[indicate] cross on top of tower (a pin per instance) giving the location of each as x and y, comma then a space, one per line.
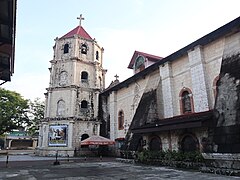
116, 76
80, 19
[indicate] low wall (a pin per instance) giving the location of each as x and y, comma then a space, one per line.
53, 152
222, 163
217, 163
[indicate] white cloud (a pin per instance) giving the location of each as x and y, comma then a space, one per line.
120, 44
119, 47
30, 86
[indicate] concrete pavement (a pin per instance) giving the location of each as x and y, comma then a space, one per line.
29, 167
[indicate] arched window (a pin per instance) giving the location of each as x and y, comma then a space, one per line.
155, 144
84, 76
84, 104
139, 63
97, 55
120, 120
189, 143
60, 108
186, 101
84, 49
84, 136
66, 48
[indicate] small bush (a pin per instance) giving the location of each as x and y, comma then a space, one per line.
146, 156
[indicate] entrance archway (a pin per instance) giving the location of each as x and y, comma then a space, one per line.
155, 144
84, 136
189, 143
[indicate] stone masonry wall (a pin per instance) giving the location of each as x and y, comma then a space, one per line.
227, 130
226, 137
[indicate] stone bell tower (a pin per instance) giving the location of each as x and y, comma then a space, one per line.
76, 79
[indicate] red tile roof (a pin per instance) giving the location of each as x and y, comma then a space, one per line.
149, 56
78, 30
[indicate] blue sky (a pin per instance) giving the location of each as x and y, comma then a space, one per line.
158, 27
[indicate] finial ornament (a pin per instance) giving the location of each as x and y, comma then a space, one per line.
80, 19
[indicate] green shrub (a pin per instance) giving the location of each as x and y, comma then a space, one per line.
147, 155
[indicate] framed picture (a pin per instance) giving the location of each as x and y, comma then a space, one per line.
57, 135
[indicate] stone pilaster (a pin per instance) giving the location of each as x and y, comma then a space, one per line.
167, 90
113, 115
199, 87
72, 102
40, 136
70, 134
76, 47
74, 73
48, 103
45, 131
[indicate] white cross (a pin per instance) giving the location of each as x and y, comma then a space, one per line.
80, 19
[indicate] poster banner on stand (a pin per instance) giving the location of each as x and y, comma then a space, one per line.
57, 135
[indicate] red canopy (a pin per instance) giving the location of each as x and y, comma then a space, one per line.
97, 140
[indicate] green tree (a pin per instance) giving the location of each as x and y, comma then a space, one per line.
13, 111
36, 114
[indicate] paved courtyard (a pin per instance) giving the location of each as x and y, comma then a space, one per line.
31, 168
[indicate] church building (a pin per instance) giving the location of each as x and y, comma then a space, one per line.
76, 79
170, 103
187, 101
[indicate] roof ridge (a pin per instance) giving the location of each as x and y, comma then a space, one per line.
140, 52
77, 30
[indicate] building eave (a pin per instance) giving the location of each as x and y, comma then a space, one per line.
194, 120
7, 41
